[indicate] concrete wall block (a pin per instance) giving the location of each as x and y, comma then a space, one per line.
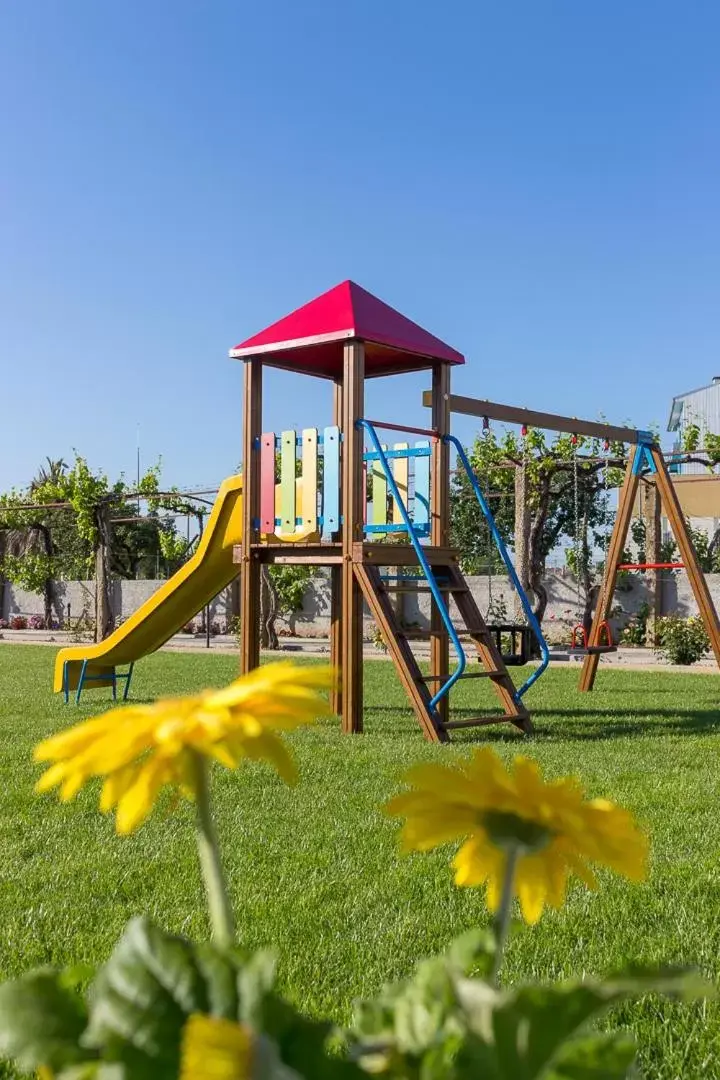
564, 605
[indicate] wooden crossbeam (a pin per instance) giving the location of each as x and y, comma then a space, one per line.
512, 414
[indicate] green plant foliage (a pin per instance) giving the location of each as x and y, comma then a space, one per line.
290, 584
636, 630
51, 541
29, 571
551, 469
691, 437
446, 1022
442, 1023
42, 1019
682, 641
130, 1024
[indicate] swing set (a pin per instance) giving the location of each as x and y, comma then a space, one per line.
644, 460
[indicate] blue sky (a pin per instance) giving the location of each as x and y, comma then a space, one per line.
537, 183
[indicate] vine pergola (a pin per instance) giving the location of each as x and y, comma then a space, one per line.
95, 520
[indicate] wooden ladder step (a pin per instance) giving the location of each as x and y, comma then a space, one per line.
481, 721
413, 589
417, 633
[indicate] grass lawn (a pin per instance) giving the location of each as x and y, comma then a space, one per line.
315, 870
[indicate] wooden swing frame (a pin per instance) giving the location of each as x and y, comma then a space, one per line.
645, 457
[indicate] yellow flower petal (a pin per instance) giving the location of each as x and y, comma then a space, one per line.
137, 749
139, 798
472, 800
216, 1049
532, 886
115, 786
51, 777
268, 747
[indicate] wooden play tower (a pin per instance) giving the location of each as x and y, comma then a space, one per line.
305, 501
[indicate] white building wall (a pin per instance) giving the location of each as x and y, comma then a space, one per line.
701, 407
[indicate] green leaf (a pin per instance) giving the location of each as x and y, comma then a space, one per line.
41, 1021
95, 1070
597, 1057
142, 998
255, 980
219, 969
303, 1043
473, 953
529, 1025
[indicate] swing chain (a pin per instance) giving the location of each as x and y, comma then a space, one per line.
576, 509
606, 522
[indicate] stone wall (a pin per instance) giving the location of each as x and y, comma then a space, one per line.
314, 619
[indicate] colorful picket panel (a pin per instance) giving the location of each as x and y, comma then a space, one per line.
309, 461
379, 493
331, 482
287, 482
267, 482
293, 506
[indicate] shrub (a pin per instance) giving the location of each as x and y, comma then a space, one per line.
4, 624
36, 622
215, 627
18, 622
189, 628
635, 633
682, 641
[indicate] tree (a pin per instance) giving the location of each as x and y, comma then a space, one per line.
565, 483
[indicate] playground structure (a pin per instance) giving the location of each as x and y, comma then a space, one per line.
345, 336
378, 517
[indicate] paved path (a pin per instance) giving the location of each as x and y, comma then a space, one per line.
224, 644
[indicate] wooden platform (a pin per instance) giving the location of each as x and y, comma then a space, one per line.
377, 554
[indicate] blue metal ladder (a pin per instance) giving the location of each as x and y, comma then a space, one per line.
509, 566
438, 576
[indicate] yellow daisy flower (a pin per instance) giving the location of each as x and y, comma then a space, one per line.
216, 1049
139, 749
551, 827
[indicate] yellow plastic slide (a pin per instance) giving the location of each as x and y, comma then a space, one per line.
195, 584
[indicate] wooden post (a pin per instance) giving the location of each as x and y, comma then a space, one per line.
336, 586
353, 496
618, 539
250, 566
687, 552
440, 516
103, 602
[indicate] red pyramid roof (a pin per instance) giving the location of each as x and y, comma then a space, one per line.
311, 338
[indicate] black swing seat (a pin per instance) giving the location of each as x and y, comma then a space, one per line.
521, 640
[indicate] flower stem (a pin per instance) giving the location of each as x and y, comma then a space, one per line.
221, 916
502, 919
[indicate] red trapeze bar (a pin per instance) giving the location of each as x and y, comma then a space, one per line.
651, 566
404, 427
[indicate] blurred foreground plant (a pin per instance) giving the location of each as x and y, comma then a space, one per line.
163, 1008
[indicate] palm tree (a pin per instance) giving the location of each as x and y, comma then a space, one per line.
50, 474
